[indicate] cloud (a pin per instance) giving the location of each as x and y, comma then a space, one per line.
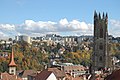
73, 25
115, 27
62, 27
42, 27
64, 22
115, 23
2, 35
7, 27
36, 28
20, 2
7, 30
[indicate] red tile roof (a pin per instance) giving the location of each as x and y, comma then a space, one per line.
6, 76
43, 75
73, 68
25, 73
69, 77
58, 73
114, 76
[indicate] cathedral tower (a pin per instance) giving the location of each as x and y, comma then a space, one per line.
100, 56
12, 65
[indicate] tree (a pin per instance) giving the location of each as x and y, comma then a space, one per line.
10, 39
58, 46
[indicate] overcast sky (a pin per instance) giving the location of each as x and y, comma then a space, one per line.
64, 17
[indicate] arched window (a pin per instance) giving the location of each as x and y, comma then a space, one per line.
100, 59
12, 70
101, 33
101, 46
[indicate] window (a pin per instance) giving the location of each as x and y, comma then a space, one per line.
101, 46
12, 70
65, 70
100, 59
101, 33
73, 70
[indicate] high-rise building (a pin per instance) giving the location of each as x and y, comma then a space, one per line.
100, 57
23, 38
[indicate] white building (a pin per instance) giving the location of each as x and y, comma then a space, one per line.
6, 43
68, 39
82, 38
23, 38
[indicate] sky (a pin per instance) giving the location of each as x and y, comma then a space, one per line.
63, 17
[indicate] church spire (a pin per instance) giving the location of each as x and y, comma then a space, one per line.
106, 18
12, 65
99, 16
12, 62
106, 15
95, 14
103, 15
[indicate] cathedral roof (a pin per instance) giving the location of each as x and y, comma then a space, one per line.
12, 62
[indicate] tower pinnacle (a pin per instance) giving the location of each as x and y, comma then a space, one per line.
99, 16
103, 15
12, 62
95, 14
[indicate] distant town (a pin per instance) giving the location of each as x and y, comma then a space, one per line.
56, 47
55, 39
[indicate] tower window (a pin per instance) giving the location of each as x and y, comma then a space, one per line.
100, 59
101, 33
12, 70
101, 46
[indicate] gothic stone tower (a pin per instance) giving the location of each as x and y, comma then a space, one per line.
100, 56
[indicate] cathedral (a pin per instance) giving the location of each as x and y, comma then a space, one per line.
100, 56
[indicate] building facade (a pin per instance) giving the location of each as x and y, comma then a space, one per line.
100, 56
23, 38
